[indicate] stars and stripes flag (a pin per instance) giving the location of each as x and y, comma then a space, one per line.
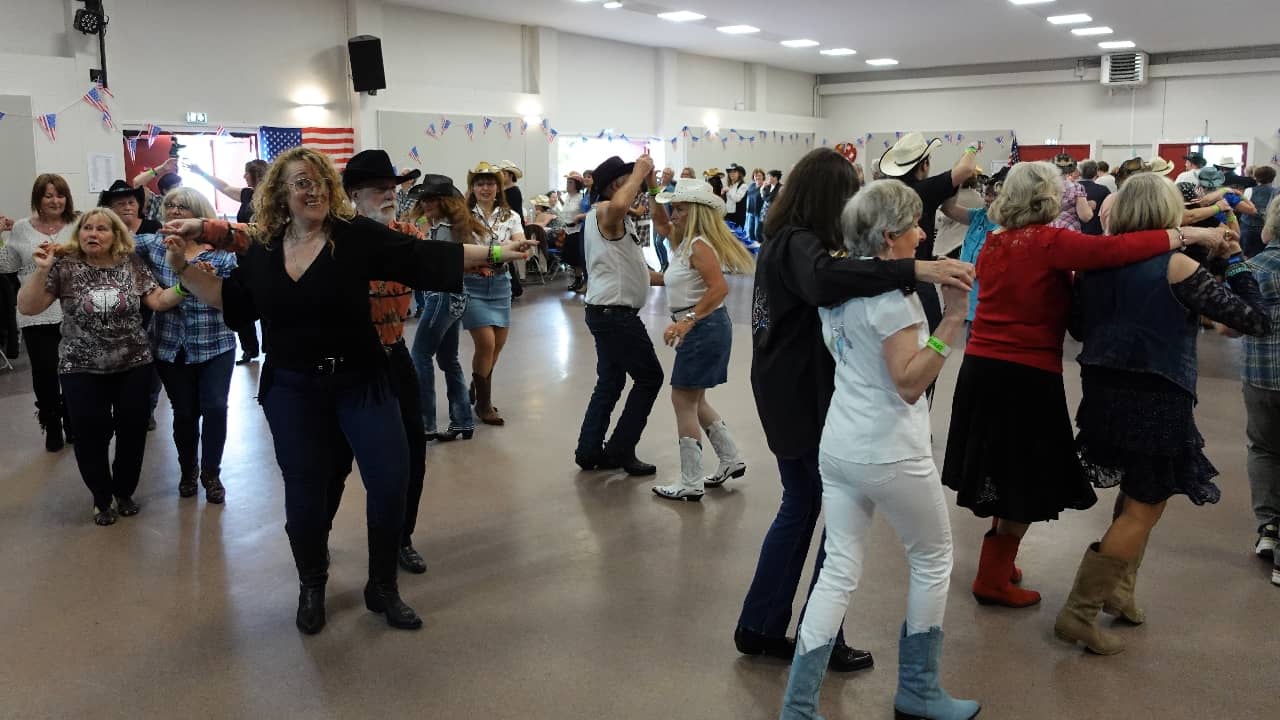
552, 134
506, 128
1, 116
151, 132
487, 122
132, 144
338, 143
524, 126
94, 98
220, 132
104, 90
413, 153
49, 123
445, 124
431, 131
1015, 155
471, 130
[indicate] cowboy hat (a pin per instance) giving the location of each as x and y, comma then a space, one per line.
434, 186
369, 165
120, 189
608, 172
1196, 159
711, 172
688, 190
906, 154
1227, 163
483, 168
1064, 163
512, 168
1160, 166
540, 201
1211, 178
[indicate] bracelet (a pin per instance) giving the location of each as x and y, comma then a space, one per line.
1182, 239
181, 291
1237, 258
495, 254
936, 345
653, 191
155, 172
972, 149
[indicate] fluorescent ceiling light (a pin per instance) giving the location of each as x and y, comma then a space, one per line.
1070, 19
612, 5
800, 43
1116, 44
681, 16
838, 52
882, 61
738, 29
1103, 30
1030, 2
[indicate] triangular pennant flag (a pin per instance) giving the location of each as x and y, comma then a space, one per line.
506, 128
431, 131
94, 98
764, 135
445, 124
413, 153
724, 142
551, 135
471, 130
49, 123
546, 125
601, 135
132, 144
107, 122
673, 140
1, 116
220, 132
485, 127
152, 131
685, 131
524, 126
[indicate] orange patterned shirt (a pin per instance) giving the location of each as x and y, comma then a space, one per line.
389, 300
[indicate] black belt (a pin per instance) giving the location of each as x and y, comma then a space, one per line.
387, 348
615, 309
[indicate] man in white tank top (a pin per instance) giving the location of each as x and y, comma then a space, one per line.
619, 287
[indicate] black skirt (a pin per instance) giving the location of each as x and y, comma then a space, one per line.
1138, 431
1010, 449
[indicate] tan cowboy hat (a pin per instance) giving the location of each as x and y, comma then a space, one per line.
1228, 163
1160, 166
689, 190
906, 154
711, 172
484, 168
540, 201
512, 168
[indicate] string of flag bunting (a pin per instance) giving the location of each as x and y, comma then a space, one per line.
95, 97
436, 130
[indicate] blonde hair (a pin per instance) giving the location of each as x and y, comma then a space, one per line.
197, 203
1146, 202
271, 197
1271, 231
1032, 195
121, 239
708, 224
884, 206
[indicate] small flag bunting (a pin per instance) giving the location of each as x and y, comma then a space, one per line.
485, 127
551, 135
506, 128
431, 131
132, 144
49, 123
445, 124
153, 131
413, 153
524, 126
471, 130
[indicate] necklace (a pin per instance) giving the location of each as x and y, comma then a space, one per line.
50, 228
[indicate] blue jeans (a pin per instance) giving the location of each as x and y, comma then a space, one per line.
767, 608
419, 300
623, 348
660, 249
437, 337
753, 227
198, 393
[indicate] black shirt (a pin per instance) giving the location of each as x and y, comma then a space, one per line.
515, 200
1095, 193
325, 313
149, 227
933, 192
792, 373
245, 213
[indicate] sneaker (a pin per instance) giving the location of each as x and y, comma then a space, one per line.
1275, 577
1268, 540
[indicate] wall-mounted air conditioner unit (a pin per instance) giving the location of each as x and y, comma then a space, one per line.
1125, 69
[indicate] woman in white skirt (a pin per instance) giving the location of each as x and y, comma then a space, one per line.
488, 313
700, 331
876, 454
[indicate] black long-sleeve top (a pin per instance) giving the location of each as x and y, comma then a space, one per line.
325, 313
792, 374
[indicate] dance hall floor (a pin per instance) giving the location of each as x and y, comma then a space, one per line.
554, 593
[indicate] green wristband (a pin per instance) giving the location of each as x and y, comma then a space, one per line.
182, 292
495, 254
936, 345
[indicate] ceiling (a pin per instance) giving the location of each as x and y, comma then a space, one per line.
918, 33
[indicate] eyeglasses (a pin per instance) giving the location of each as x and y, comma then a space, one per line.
176, 206
306, 185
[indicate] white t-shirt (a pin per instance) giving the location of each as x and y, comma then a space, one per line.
869, 422
1191, 176
15, 256
685, 286
617, 273
1107, 181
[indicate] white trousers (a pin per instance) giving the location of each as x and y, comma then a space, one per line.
909, 493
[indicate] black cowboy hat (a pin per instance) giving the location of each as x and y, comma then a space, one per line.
433, 185
606, 173
368, 165
120, 189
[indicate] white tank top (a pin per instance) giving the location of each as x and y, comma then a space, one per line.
617, 273
685, 286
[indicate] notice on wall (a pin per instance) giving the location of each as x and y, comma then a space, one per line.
103, 170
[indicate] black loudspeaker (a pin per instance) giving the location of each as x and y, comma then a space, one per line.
366, 64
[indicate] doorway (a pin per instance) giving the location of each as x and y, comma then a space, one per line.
223, 156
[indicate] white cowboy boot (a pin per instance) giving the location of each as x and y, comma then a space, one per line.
690, 485
731, 463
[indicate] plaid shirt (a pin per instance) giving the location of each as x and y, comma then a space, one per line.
154, 209
1262, 354
404, 203
192, 326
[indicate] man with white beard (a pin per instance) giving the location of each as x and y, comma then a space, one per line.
370, 181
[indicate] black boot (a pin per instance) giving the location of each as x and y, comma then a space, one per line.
311, 556
187, 483
51, 423
213, 490
382, 594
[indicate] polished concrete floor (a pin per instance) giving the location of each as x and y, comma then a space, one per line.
554, 593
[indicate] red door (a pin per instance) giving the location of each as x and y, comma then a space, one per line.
1033, 153
146, 157
1174, 153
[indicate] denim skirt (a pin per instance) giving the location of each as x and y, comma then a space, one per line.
702, 357
488, 301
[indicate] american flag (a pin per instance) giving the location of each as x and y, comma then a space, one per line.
413, 153
338, 143
94, 98
132, 144
151, 132
1015, 155
221, 131
104, 90
49, 123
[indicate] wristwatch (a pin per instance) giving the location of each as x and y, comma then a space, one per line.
691, 316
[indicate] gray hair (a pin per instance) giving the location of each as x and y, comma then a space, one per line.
883, 206
1089, 169
198, 204
1271, 231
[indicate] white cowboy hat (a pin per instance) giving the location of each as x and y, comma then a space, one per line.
1227, 162
689, 190
906, 154
508, 165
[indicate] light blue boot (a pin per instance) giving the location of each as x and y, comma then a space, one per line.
920, 697
801, 699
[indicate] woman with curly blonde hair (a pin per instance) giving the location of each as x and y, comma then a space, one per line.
104, 358
1010, 451
305, 270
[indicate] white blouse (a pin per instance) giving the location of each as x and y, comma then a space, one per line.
503, 224
15, 256
685, 285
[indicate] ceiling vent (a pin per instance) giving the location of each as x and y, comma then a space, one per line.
1125, 69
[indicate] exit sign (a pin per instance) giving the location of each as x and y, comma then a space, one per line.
197, 118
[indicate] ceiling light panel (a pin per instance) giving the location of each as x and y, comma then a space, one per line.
1117, 44
1102, 30
738, 29
682, 16
1075, 19
838, 52
882, 62
804, 43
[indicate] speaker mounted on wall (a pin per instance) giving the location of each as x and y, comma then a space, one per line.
367, 74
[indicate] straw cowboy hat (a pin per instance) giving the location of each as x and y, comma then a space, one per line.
540, 201
483, 168
711, 172
905, 154
688, 190
512, 168
1160, 166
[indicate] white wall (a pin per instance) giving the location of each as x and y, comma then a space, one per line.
789, 92
711, 82
594, 95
